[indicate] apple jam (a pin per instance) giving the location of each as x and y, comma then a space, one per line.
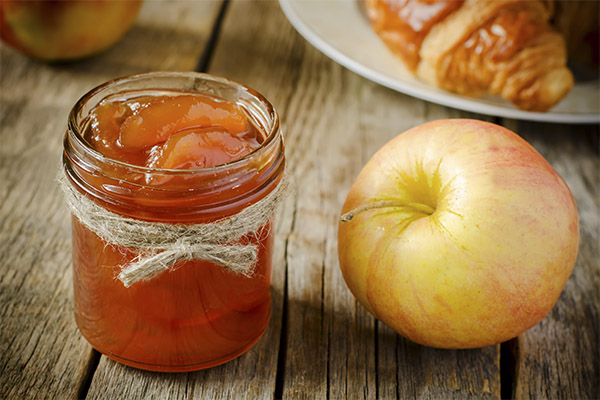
174, 148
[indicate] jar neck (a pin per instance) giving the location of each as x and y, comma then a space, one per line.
175, 196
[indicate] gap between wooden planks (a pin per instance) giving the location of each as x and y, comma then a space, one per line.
43, 354
333, 121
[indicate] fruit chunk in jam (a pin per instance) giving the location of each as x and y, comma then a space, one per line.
172, 132
199, 148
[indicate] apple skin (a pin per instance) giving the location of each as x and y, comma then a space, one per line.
487, 261
60, 30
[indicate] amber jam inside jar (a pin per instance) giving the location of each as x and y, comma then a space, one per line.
196, 314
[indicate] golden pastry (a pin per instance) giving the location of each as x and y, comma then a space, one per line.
502, 47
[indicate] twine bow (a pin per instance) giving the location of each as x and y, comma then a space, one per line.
161, 245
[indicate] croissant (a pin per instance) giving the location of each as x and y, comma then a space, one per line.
501, 47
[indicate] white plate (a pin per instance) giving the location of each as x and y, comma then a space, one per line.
340, 29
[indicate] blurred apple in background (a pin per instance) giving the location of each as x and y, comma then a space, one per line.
57, 30
458, 234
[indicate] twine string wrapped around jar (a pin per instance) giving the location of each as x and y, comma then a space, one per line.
161, 245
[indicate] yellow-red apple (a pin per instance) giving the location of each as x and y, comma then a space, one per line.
458, 234
56, 30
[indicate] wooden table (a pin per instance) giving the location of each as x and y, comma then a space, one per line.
320, 343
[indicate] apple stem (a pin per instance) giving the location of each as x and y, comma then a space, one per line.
347, 217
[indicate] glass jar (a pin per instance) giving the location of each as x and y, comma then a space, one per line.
196, 314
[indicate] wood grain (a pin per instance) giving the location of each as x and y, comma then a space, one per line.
558, 358
334, 121
42, 351
43, 354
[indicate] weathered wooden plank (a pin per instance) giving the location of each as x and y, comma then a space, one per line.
171, 35
558, 358
42, 351
334, 121
251, 375
249, 51
43, 354
288, 71
405, 369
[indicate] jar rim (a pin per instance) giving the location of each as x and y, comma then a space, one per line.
272, 132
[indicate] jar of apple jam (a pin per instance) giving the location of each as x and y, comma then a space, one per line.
176, 149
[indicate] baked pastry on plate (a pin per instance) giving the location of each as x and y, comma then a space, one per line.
502, 47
